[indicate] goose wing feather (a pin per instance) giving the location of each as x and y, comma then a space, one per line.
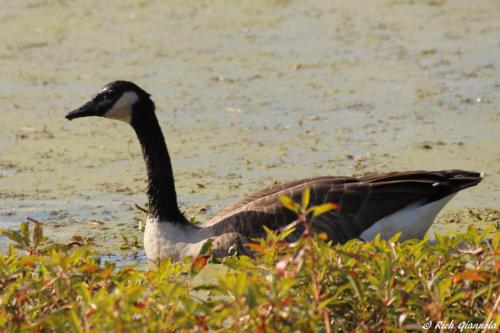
363, 201
272, 193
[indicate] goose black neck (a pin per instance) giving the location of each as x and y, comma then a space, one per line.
161, 188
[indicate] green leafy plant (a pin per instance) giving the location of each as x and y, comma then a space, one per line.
132, 243
305, 253
305, 286
32, 243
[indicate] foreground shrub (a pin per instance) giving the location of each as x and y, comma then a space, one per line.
309, 286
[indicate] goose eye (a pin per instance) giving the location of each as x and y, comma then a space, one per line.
107, 95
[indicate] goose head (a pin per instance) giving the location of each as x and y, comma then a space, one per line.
118, 100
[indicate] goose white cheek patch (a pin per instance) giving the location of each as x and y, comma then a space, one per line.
122, 109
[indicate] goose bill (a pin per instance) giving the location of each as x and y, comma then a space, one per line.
86, 110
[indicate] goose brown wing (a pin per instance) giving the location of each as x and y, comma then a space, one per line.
249, 216
363, 201
272, 193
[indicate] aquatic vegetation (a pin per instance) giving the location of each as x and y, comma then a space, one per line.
305, 286
132, 243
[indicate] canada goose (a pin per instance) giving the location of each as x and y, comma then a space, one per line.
378, 204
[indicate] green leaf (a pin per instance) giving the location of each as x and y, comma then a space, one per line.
290, 204
289, 230
356, 286
25, 233
37, 235
487, 231
395, 237
12, 235
455, 298
206, 247
75, 321
325, 303
322, 209
495, 241
252, 297
306, 196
